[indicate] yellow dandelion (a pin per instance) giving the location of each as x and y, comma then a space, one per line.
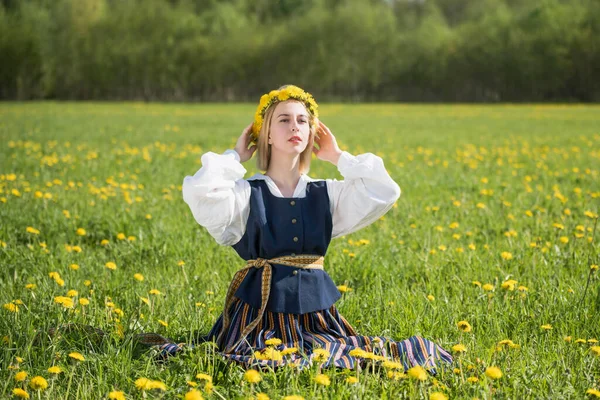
104, 242
204, 377
509, 285
84, 302
488, 287
30, 286
344, 288
273, 342
252, 376
163, 323
546, 327
11, 307
121, 236
38, 383
181, 263
476, 283
138, 277
193, 395
322, 379
593, 392
80, 232
438, 396
76, 356
321, 355
293, 397
148, 384
111, 265
472, 379
208, 387
55, 370
20, 393
116, 395
464, 326
459, 348
154, 291
430, 297
72, 293
493, 373
595, 350
506, 255
32, 230
289, 350
20, 376
417, 372
351, 380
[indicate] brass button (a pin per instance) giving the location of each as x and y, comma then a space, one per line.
295, 238
293, 254
293, 220
295, 272
293, 203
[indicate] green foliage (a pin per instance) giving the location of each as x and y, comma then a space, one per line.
488, 50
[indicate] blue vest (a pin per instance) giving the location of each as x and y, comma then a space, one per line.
279, 227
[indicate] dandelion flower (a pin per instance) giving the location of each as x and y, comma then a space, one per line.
11, 307
20, 376
321, 355
595, 350
84, 301
395, 375
430, 297
204, 377
351, 380
154, 291
289, 350
293, 397
193, 395
116, 395
273, 342
438, 396
488, 287
80, 232
593, 392
208, 387
509, 285
464, 326
55, 370
38, 383
493, 373
138, 277
111, 265
104, 242
262, 396
76, 356
344, 288
322, 379
148, 384
163, 323
472, 379
20, 393
417, 372
72, 293
546, 327
121, 236
252, 376
459, 348
506, 255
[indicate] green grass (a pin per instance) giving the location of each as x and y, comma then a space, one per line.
110, 165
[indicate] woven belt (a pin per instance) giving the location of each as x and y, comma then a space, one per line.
300, 261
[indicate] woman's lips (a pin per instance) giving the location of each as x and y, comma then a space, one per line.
295, 139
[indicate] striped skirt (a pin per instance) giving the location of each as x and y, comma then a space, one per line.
322, 336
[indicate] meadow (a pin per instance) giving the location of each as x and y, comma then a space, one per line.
491, 251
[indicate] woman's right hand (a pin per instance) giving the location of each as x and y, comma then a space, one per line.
241, 147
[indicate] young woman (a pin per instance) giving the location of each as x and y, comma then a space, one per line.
280, 307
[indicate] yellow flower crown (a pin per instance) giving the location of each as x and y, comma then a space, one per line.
274, 96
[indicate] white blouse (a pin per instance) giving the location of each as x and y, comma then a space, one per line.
219, 196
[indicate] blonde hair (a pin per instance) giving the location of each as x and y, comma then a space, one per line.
263, 148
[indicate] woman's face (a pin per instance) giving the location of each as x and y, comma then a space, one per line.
290, 130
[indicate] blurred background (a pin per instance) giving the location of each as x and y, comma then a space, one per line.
339, 50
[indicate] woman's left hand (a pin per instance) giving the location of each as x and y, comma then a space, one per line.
328, 148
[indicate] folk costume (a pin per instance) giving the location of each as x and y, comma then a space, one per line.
284, 292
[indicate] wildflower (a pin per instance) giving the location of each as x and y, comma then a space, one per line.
104, 242
273, 342
77, 249
181, 263
72, 293
417, 372
568, 339
20, 376
580, 341
438, 396
84, 301
358, 353
480, 205
74, 267
121, 236
138, 277
321, 355
193, 395
32, 230
111, 265
472, 379
289, 350
116, 395
506, 255
76, 356
459, 348
23, 394
564, 239
351, 380
204, 377
293, 397
30, 286
19, 359
154, 291
131, 238
148, 384
593, 392
252, 376
66, 302
80, 232
11, 307
488, 287
546, 327
395, 375
522, 288
464, 326
457, 371
38, 383
593, 267
430, 297
322, 379
148, 216
87, 282
476, 283
163, 323
208, 387
268, 354
509, 285
344, 288
55, 370
493, 373
392, 365
595, 350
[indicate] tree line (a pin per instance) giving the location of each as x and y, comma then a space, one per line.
339, 50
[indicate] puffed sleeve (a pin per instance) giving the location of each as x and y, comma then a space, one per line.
366, 193
219, 197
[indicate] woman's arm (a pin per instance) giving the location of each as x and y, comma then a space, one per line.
218, 195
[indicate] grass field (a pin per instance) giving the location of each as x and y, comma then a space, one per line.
495, 226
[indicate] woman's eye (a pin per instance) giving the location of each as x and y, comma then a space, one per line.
283, 120
302, 121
